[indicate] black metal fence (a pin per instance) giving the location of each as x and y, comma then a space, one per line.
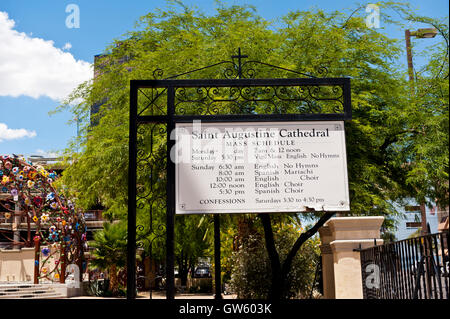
416, 268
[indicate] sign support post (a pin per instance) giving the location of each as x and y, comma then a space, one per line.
217, 266
170, 200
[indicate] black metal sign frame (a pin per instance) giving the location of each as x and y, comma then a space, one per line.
206, 92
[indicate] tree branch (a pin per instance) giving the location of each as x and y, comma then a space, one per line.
394, 138
276, 286
301, 240
270, 242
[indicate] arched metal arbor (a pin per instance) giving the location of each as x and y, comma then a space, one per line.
156, 105
53, 225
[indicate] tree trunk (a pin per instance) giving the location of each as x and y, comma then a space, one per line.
184, 270
114, 283
280, 272
277, 284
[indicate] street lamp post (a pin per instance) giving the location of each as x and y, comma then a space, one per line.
409, 55
421, 34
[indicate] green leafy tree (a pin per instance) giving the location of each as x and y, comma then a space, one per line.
194, 244
424, 139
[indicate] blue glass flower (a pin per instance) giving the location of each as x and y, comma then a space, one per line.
53, 236
45, 251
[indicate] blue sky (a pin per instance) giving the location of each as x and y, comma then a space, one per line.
37, 72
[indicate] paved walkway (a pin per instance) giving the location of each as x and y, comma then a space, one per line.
161, 295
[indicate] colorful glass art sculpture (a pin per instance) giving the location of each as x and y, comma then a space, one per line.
30, 188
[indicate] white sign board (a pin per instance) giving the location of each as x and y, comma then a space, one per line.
256, 167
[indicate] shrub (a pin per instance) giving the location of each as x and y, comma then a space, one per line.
251, 271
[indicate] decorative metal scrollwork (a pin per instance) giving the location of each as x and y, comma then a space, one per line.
153, 101
262, 100
151, 184
236, 100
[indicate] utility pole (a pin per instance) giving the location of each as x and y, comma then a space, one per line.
409, 57
421, 34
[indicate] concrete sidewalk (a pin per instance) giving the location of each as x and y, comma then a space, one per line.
161, 295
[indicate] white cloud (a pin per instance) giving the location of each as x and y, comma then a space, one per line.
67, 46
35, 67
13, 134
46, 154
